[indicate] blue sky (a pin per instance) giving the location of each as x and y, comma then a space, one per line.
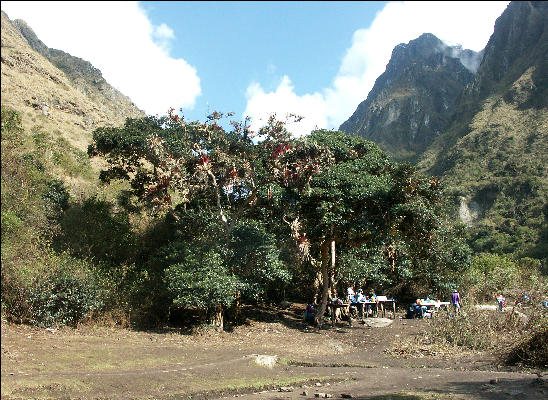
316, 59
260, 42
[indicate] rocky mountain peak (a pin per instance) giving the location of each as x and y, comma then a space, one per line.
415, 98
520, 40
428, 49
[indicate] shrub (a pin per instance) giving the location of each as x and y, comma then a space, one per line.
91, 230
488, 275
531, 350
473, 329
491, 274
65, 295
202, 281
56, 194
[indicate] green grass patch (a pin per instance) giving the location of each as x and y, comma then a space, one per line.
42, 388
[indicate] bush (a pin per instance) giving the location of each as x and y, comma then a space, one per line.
65, 295
474, 329
91, 230
201, 281
531, 350
56, 195
489, 275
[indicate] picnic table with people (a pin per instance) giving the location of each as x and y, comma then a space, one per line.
359, 306
425, 308
355, 305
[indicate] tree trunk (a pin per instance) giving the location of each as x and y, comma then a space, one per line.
332, 280
325, 290
235, 309
217, 319
318, 287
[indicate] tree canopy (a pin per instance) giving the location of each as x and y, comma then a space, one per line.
237, 198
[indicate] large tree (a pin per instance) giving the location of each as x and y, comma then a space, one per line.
196, 170
358, 198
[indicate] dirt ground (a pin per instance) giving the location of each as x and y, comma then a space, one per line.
275, 355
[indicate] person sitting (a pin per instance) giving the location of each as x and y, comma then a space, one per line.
410, 312
350, 293
418, 309
357, 305
309, 313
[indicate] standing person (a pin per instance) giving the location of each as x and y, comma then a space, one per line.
500, 301
374, 298
455, 300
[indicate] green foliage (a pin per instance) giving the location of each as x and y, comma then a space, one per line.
91, 230
65, 295
200, 279
54, 153
56, 194
388, 220
491, 274
11, 124
24, 219
256, 260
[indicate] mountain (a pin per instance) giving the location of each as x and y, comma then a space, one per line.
55, 90
414, 100
83, 76
491, 150
494, 157
512, 80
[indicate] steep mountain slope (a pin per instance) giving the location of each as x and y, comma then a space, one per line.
413, 101
70, 97
60, 103
494, 157
514, 71
83, 76
490, 141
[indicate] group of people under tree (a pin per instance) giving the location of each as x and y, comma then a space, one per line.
357, 300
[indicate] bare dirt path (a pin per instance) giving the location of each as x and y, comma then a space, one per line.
102, 363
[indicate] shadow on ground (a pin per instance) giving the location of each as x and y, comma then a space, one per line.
500, 389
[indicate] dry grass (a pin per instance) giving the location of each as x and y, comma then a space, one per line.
517, 338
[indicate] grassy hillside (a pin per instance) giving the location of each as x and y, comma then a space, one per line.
499, 169
494, 156
50, 188
53, 109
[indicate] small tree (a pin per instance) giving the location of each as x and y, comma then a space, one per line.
202, 280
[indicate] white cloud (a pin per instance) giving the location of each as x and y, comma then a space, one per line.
119, 39
467, 23
283, 101
163, 35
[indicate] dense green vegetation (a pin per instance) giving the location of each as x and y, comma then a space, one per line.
209, 220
